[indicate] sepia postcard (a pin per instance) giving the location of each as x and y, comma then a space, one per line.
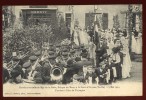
72, 50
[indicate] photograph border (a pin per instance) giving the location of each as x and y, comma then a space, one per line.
76, 2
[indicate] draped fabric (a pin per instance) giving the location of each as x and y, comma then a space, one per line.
83, 38
139, 44
134, 44
126, 67
76, 40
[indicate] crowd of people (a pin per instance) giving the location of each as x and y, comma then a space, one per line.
104, 59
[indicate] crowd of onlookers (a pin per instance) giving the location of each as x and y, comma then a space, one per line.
104, 60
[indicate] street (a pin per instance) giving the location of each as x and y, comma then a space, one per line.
136, 74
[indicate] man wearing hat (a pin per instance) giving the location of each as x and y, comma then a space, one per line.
84, 52
125, 32
16, 74
65, 57
116, 63
102, 72
100, 51
25, 71
27, 66
77, 67
37, 74
58, 49
52, 59
90, 75
51, 47
6, 75
75, 79
70, 71
45, 72
72, 54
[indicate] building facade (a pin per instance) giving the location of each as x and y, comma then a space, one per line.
101, 19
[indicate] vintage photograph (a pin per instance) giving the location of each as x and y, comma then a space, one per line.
72, 50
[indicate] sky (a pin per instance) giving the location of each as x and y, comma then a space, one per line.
80, 10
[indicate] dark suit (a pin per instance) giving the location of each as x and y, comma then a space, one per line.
6, 75
102, 72
99, 55
119, 67
46, 72
16, 72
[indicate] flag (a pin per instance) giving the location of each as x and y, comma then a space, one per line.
96, 34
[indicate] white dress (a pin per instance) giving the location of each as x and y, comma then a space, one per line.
91, 49
126, 67
110, 45
134, 44
76, 40
139, 44
83, 38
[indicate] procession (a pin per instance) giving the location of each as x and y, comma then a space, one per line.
36, 51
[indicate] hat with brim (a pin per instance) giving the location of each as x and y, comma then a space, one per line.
84, 54
51, 49
70, 62
78, 59
38, 53
65, 54
50, 44
65, 50
16, 59
32, 58
52, 56
105, 55
76, 47
51, 52
58, 45
22, 48
26, 65
72, 51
